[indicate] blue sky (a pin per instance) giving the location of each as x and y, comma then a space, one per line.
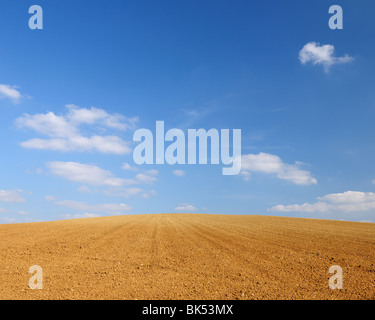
72, 95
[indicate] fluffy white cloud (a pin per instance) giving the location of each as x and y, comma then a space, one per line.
95, 176
11, 196
179, 173
107, 144
85, 173
64, 131
48, 124
10, 92
272, 164
185, 207
349, 201
78, 116
321, 54
107, 208
80, 215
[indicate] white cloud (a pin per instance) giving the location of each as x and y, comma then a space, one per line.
10, 92
107, 144
84, 173
306, 207
48, 124
3, 210
272, 164
11, 196
107, 208
107, 183
8, 220
93, 115
91, 175
185, 207
64, 134
80, 215
179, 173
349, 197
349, 201
127, 166
321, 54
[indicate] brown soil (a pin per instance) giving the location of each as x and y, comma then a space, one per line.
188, 256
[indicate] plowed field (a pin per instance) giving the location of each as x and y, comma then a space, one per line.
188, 256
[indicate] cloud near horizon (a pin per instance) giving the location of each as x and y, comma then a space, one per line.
185, 207
349, 201
68, 216
106, 208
